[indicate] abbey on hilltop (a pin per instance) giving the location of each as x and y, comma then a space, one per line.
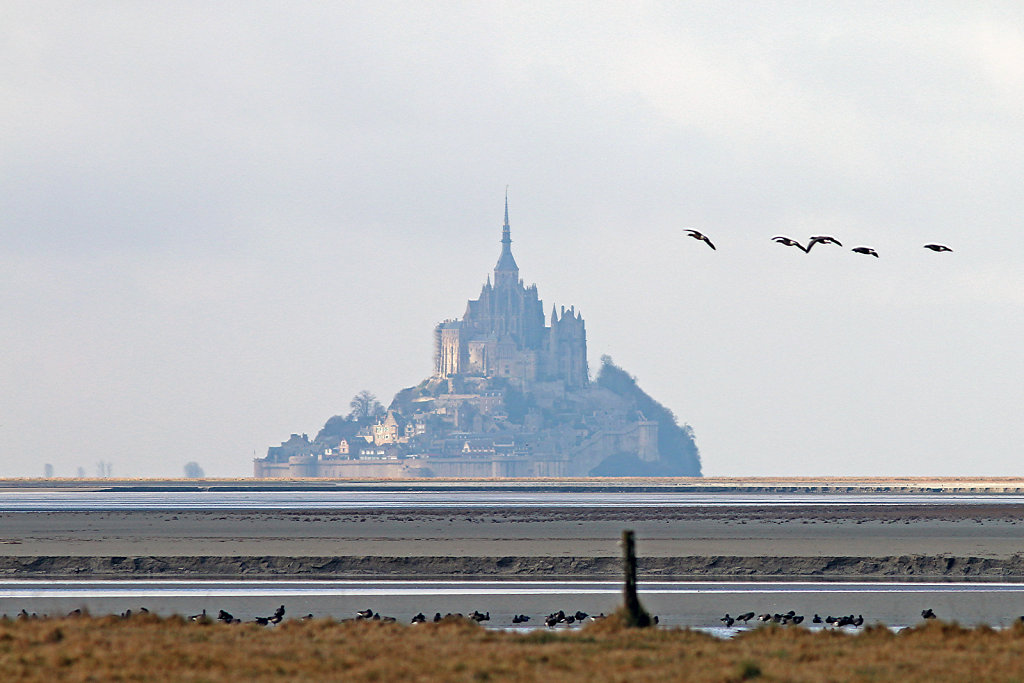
510, 396
502, 334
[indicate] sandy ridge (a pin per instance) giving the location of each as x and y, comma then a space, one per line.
906, 567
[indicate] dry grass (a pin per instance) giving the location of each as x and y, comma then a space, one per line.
148, 648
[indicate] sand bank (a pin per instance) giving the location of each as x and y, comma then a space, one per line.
954, 542
913, 567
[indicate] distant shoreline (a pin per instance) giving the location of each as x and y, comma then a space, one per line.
814, 485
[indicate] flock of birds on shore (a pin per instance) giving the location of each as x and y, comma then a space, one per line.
814, 239
791, 617
551, 621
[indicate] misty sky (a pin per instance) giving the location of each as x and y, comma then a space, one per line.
219, 221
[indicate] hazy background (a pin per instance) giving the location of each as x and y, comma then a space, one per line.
219, 221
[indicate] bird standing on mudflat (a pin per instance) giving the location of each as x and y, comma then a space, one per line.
700, 236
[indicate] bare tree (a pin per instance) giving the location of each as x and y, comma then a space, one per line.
365, 406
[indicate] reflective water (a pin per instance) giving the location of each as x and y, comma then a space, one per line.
694, 604
33, 500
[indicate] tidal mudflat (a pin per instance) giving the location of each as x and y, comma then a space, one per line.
954, 541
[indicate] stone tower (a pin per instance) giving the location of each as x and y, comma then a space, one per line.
502, 333
506, 271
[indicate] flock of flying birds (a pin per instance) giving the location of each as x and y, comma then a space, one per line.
815, 239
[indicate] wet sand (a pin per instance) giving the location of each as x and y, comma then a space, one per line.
929, 541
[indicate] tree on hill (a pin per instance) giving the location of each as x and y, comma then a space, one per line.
678, 450
337, 428
365, 407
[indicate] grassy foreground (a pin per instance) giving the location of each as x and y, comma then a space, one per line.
148, 648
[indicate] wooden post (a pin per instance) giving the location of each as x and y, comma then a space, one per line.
633, 612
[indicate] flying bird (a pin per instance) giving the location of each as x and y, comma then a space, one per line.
700, 236
782, 239
822, 239
866, 250
937, 247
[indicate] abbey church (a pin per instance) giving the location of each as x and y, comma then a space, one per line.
503, 334
510, 396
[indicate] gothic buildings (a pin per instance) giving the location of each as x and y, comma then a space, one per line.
503, 334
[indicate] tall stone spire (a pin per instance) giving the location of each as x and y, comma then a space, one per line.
506, 264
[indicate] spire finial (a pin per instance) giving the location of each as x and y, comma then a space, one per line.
506, 230
506, 206
505, 261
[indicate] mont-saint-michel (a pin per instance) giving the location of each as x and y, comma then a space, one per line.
510, 396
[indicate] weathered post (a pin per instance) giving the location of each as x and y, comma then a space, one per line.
633, 612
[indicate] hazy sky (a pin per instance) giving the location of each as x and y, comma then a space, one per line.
219, 221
